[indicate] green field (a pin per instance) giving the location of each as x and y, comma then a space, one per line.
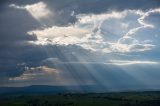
90, 99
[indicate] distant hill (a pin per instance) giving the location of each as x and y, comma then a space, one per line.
38, 89
44, 89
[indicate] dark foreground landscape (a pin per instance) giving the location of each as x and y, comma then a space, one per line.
89, 99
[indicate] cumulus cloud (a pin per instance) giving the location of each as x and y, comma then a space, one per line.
60, 35
91, 32
84, 33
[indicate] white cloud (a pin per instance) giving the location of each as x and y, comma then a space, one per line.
129, 44
85, 19
38, 10
125, 62
70, 34
61, 35
91, 32
83, 33
141, 20
107, 32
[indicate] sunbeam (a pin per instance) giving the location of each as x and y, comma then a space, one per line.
99, 45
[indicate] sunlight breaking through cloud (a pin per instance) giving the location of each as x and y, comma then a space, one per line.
38, 10
110, 43
88, 33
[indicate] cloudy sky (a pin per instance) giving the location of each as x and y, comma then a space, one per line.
111, 43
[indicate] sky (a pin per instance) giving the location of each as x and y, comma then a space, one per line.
112, 43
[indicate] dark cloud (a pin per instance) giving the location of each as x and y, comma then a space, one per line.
13, 37
14, 25
95, 6
65, 8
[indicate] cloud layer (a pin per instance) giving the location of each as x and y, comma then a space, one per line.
87, 43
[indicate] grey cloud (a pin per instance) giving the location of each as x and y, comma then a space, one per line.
65, 8
13, 38
14, 25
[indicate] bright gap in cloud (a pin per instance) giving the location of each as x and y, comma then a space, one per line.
38, 10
